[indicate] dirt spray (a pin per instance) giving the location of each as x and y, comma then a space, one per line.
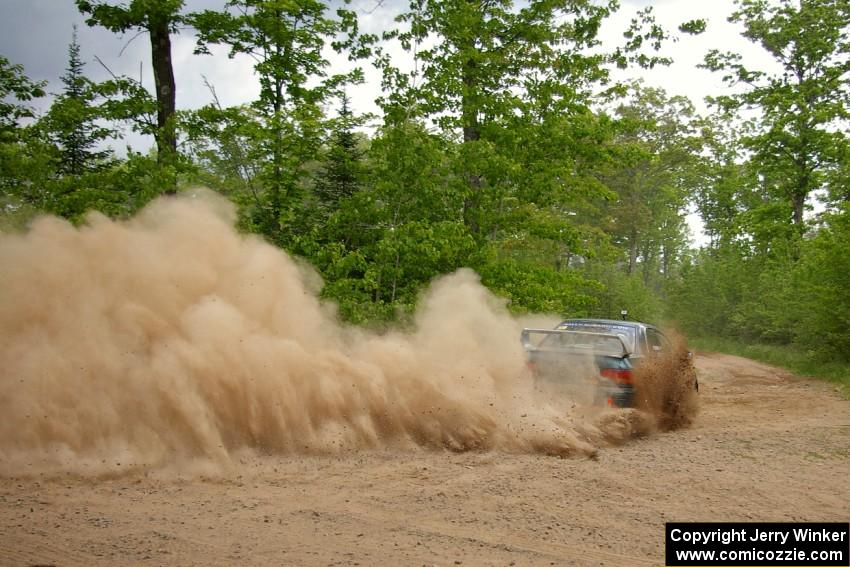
170, 338
666, 387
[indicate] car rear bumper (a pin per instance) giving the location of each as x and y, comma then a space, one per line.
616, 395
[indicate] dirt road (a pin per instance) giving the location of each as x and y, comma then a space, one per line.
765, 446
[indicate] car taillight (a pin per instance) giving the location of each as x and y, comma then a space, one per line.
619, 375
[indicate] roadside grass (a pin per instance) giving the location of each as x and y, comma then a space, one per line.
789, 358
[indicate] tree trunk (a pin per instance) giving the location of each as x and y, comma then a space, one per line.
799, 203
471, 133
633, 250
163, 73
648, 259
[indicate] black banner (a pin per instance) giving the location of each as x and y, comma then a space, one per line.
758, 544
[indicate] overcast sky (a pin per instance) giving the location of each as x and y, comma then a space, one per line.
36, 33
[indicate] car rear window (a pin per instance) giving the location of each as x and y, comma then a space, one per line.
625, 332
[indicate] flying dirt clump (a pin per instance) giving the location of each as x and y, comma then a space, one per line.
666, 387
171, 338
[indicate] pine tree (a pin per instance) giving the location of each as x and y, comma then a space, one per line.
343, 169
72, 120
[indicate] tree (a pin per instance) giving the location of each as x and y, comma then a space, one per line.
24, 158
801, 107
821, 285
159, 18
498, 76
16, 89
286, 40
222, 143
488, 62
72, 120
655, 148
343, 173
402, 228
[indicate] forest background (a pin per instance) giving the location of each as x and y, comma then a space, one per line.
507, 142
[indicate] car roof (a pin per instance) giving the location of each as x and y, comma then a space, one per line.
603, 322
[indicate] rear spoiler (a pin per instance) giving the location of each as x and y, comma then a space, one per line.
598, 343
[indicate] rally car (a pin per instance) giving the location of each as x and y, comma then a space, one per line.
601, 352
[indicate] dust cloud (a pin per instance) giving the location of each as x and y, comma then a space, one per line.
171, 340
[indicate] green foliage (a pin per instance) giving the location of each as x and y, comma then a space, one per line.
26, 158
759, 298
343, 172
27, 165
385, 242
221, 142
286, 40
619, 290
411, 254
768, 277
703, 300
159, 19
821, 289
126, 101
722, 293
122, 189
799, 138
509, 149
15, 90
693, 27
384, 278
656, 155
72, 122
645, 31
535, 288
138, 14
57, 165
516, 85
33, 181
